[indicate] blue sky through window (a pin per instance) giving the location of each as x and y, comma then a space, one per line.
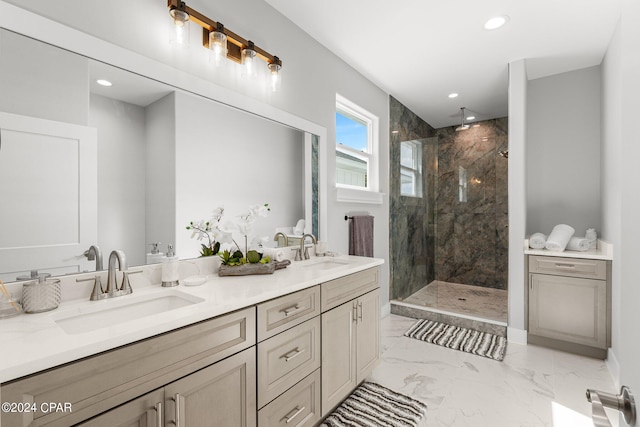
350, 133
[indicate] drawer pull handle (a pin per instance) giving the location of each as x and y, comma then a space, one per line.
158, 409
360, 311
559, 265
290, 310
293, 354
294, 413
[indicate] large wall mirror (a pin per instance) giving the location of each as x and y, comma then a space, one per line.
128, 165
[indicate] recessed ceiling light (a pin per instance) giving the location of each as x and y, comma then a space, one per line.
471, 118
496, 22
453, 95
103, 82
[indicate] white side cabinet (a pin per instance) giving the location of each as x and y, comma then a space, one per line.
569, 304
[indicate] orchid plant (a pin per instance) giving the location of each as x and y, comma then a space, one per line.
217, 232
209, 229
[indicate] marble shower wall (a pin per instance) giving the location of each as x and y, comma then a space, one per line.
412, 219
471, 229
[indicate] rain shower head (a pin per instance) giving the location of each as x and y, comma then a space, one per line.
462, 125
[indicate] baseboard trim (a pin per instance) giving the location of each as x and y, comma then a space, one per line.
385, 310
517, 336
613, 366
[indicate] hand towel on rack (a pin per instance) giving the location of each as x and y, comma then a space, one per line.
559, 237
361, 236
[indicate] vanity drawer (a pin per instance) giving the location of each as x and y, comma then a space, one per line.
99, 383
282, 313
285, 359
299, 406
574, 267
338, 291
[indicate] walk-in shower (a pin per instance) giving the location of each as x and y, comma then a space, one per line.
449, 238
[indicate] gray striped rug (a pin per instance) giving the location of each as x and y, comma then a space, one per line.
372, 405
457, 338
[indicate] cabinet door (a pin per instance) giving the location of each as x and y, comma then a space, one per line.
223, 394
338, 355
367, 333
568, 309
145, 411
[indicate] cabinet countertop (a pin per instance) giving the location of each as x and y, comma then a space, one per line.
34, 342
603, 251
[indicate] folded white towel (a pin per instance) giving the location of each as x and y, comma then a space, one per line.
578, 244
537, 241
276, 254
559, 237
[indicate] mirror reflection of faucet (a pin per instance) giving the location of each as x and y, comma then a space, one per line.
94, 253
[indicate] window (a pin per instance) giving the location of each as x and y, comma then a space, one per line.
411, 168
356, 147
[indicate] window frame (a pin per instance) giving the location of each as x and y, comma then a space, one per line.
371, 156
414, 171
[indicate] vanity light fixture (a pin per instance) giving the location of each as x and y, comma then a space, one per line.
223, 42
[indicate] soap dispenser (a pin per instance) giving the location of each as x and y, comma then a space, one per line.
155, 256
170, 265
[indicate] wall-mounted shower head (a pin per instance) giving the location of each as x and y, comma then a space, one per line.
462, 125
504, 154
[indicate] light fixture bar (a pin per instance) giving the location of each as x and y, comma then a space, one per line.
235, 43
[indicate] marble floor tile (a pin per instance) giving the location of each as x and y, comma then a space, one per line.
533, 386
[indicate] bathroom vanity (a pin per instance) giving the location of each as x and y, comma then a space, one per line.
569, 300
245, 351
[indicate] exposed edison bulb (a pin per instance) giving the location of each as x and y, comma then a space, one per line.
275, 78
180, 34
218, 47
249, 62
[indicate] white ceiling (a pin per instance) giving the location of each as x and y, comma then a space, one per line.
419, 51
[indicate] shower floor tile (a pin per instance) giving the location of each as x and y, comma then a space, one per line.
476, 301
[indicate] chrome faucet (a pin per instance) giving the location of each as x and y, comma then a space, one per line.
284, 236
112, 289
304, 251
94, 253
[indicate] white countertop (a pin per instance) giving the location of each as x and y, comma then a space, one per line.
34, 342
603, 250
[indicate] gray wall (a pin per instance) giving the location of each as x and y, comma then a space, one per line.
121, 195
35, 77
563, 151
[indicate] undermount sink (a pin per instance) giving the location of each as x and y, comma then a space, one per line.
326, 263
118, 311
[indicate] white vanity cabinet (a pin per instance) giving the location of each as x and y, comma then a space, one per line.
286, 361
207, 364
289, 360
220, 395
569, 304
350, 334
